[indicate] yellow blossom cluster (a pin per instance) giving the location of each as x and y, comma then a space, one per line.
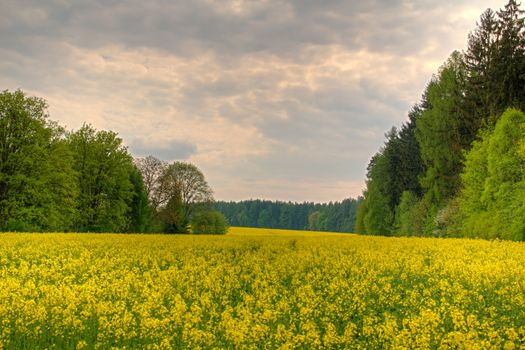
256, 289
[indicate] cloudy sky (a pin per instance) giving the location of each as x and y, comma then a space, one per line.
270, 99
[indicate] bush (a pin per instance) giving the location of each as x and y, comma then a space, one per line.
209, 222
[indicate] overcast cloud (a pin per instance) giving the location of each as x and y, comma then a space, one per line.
271, 99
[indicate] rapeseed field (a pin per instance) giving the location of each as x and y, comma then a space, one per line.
261, 289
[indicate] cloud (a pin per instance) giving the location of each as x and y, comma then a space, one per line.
266, 97
173, 150
241, 27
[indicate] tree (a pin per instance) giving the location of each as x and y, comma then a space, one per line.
378, 196
480, 101
410, 166
509, 60
172, 216
182, 189
491, 202
151, 169
405, 215
37, 188
285, 217
313, 221
264, 219
360, 216
416, 175
103, 166
140, 214
337, 216
210, 222
440, 133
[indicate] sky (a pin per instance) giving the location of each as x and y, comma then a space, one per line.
280, 100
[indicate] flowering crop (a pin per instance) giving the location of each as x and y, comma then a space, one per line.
259, 289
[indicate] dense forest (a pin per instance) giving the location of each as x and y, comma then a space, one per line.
456, 166
335, 217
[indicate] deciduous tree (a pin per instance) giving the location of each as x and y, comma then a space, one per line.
37, 188
103, 167
182, 189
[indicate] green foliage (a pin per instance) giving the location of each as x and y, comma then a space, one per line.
210, 222
360, 217
391, 172
333, 216
140, 214
480, 100
37, 187
440, 132
86, 180
313, 221
172, 216
103, 167
491, 202
468, 94
379, 215
181, 190
405, 215
508, 64
264, 218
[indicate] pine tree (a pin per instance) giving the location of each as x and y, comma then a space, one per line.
480, 103
509, 65
440, 132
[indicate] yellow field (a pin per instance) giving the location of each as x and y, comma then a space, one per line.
251, 289
250, 231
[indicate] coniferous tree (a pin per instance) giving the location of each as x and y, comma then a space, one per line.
336, 217
411, 165
509, 62
439, 132
468, 94
393, 171
379, 215
441, 139
480, 102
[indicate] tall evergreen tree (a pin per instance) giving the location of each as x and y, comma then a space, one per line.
480, 103
411, 165
469, 92
379, 215
393, 171
509, 58
440, 132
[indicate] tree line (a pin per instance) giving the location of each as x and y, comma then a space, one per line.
86, 180
456, 167
333, 216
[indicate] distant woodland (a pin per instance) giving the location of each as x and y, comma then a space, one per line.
333, 216
457, 166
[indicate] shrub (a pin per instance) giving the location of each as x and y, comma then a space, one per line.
209, 222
